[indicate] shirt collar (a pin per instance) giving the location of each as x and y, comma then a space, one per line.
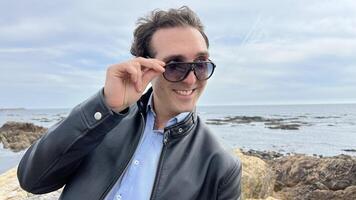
178, 118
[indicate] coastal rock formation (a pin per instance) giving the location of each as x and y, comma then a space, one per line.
18, 136
9, 187
271, 123
264, 155
257, 177
306, 177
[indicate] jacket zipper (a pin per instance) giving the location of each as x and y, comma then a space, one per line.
159, 167
127, 163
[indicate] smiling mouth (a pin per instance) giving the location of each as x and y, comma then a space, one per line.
184, 92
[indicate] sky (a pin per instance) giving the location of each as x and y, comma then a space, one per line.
54, 54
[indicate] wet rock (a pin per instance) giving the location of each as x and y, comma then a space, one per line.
247, 119
216, 122
264, 155
327, 117
236, 120
18, 136
349, 150
273, 123
43, 119
285, 126
290, 123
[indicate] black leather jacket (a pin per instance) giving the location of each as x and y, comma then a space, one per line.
88, 154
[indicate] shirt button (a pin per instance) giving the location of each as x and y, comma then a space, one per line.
118, 197
97, 115
136, 162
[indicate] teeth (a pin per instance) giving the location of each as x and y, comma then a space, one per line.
184, 92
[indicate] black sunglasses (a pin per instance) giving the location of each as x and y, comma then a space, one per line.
178, 71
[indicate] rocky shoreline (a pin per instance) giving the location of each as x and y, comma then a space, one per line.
288, 123
297, 176
266, 175
18, 136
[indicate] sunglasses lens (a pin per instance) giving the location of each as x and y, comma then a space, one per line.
176, 71
204, 70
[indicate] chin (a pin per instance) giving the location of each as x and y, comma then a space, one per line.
185, 108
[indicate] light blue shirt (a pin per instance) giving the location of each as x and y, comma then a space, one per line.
137, 181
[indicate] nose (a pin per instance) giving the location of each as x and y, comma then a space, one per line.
190, 79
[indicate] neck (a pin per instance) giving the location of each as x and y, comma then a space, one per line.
162, 114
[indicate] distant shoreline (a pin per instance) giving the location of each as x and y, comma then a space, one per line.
277, 104
11, 109
207, 105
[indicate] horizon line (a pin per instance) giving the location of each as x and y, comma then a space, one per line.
199, 105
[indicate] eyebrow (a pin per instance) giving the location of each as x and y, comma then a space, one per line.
173, 57
180, 57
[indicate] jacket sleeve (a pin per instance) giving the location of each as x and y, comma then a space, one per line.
50, 162
230, 186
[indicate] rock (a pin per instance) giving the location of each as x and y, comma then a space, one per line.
268, 198
264, 155
291, 123
302, 192
239, 120
9, 187
347, 193
11, 190
285, 126
257, 177
247, 119
297, 176
307, 177
18, 136
349, 150
273, 123
216, 122
327, 117
11, 109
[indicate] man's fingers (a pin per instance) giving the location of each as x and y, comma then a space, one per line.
139, 79
140, 71
151, 63
128, 70
148, 76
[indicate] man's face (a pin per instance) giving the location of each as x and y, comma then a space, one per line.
178, 44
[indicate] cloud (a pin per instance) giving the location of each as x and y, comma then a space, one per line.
266, 52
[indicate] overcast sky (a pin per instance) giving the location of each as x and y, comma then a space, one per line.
53, 54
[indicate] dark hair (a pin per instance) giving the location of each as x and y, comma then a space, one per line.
147, 26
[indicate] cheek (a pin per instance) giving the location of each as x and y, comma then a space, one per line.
202, 86
160, 85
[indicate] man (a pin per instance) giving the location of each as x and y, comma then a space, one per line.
123, 144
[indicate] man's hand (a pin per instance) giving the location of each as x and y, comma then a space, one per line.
125, 82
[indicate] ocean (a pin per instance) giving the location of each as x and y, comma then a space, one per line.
325, 130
